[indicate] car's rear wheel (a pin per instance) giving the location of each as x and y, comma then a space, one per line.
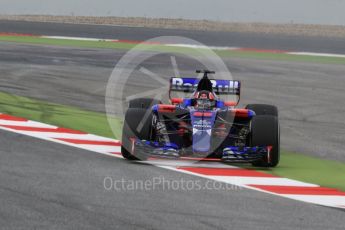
265, 132
143, 103
263, 109
137, 125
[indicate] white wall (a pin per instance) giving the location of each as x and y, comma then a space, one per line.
274, 11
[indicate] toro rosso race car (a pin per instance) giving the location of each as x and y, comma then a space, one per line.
202, 125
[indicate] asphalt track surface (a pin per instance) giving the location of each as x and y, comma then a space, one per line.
47, 185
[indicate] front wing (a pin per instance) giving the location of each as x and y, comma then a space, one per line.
232, 154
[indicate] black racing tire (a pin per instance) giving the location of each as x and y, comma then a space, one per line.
263, 109
133, 118
265, 131
143, 103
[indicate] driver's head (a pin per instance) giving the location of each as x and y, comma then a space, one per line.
204, 99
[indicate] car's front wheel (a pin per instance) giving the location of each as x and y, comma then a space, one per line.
265, 132
137, 125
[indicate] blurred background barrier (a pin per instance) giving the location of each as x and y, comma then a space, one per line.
245, 11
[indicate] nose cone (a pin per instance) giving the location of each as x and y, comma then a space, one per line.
201, 140
202, 130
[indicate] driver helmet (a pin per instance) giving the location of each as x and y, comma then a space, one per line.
204, 99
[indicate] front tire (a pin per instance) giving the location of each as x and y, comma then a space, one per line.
265, 132
137, 125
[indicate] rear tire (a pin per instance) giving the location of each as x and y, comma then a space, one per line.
263, 109
143, 103
265, 132
131, 129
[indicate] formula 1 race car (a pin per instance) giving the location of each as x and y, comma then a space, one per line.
202, 126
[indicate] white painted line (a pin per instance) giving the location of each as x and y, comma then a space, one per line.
26, 124
80, 38
203, 47
326, 200
65, 135
238, 180
317, 54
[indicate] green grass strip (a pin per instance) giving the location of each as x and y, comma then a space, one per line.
66, 42
59, 115
282, 57
127, 46
309, 169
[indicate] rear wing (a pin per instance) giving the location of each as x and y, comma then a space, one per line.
220, 87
